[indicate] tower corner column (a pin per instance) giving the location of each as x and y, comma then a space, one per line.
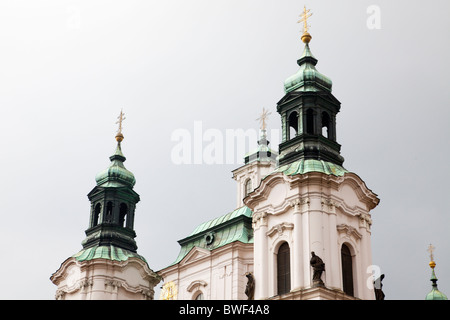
260, 252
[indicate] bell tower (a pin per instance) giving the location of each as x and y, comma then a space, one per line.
257, 163
108, 267
311, 216
113, 204
308, 112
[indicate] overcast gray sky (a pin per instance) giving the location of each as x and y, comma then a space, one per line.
68, 67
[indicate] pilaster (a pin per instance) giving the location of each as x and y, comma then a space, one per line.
261, 250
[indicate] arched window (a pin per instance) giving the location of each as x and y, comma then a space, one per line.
293, 124
123, 210
248, 187
347, 272
98, 208
310, 121
283, 269
199, 296
109, 208
325, 125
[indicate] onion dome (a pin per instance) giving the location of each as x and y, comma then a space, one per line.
307, 77
116, 175
308, 113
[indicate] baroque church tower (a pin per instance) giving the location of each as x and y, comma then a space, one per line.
311, 216
108, 266
301, 229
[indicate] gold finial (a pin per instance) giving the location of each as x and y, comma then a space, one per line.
430, 250
119, 135
262, 119
306, 37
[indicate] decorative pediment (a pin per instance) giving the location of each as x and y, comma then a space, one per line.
350, 231
264, 191
196, 284
273, 193
279, 229
195, 255
363, 193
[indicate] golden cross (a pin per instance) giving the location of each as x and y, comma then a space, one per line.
430, 250
305, 15
121, 117
262, 119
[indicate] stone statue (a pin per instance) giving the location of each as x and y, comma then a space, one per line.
318, 266
250, 288
377, 285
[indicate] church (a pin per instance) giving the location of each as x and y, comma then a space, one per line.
301, 229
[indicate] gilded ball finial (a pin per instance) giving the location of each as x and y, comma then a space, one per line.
119, 137
432, 264
306, 37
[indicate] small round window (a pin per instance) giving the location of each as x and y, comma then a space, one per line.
209, 238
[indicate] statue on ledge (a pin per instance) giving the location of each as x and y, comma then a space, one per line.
319, 267
250, 288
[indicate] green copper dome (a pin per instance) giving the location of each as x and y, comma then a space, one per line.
435, 294
303, 166
106, 252
307, 77
116, 175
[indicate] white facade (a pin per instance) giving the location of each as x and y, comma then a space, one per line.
219, 274
212, 275
104, 279
250, 173
312, 212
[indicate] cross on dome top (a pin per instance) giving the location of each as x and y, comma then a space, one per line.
306, 37
121, 118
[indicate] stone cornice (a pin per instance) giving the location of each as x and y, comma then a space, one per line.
85, 266
317, 293
364, 194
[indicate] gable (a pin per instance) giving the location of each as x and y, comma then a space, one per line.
194, 255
